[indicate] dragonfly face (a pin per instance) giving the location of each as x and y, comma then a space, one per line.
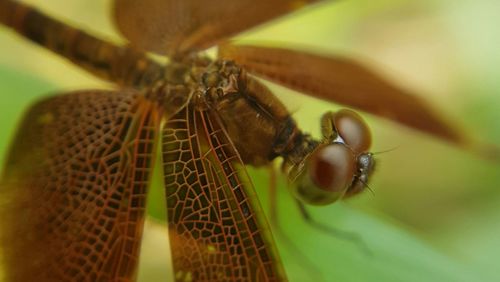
337, 166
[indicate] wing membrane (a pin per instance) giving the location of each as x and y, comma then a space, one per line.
343, 81
75, 187
216, 226
172, 26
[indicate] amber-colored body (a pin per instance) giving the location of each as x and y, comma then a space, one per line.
77, 175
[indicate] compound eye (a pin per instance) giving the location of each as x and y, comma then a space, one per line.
332, 168
353, 130
329, 174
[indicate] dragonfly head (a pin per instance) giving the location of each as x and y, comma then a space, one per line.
340, 165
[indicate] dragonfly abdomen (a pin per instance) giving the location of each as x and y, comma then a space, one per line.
122, 65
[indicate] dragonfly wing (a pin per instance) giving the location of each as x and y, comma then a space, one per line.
216, 226
172, 26
74, 188
343, 81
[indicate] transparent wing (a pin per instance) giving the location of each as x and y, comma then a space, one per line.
74, 188
216, 227
173, 26
343, 81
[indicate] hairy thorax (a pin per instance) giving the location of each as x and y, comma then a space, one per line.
255, 120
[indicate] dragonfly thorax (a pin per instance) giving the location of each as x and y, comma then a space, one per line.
252, 116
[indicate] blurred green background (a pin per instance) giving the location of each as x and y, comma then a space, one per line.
434, 212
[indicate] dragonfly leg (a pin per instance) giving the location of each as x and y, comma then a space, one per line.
332, 231
273, 203
307, 264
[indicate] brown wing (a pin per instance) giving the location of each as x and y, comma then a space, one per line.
74, 188
343, 81
173, 26
217, 229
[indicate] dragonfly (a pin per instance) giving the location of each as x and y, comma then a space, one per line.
77, 175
